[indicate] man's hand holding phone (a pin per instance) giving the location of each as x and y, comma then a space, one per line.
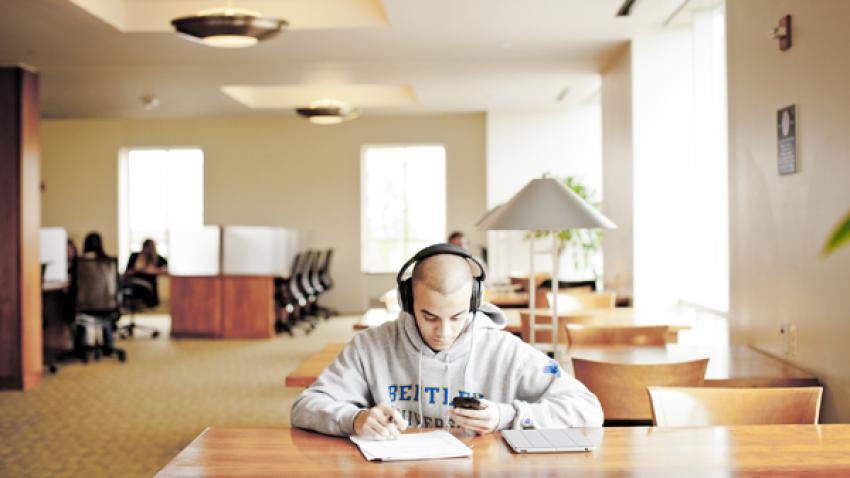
382, 422
475, 414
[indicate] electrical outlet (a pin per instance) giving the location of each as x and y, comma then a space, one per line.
792, 340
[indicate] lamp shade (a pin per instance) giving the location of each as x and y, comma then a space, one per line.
544, 204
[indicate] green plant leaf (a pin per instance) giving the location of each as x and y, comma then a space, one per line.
839, 237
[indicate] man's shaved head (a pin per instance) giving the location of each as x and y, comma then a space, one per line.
443, 273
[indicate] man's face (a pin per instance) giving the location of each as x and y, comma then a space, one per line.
441, 318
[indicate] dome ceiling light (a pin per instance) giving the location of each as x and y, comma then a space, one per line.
327, 111
228, 27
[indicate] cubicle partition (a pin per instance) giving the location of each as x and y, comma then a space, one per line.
222, 279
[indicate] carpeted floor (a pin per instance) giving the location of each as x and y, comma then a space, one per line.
112, 419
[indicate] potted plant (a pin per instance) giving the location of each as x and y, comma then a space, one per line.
583, 243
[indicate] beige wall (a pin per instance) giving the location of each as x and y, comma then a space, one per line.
261, 171
617, 172
778, 224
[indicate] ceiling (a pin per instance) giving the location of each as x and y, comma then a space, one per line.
450, 55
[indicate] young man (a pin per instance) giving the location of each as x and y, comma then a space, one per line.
407, 371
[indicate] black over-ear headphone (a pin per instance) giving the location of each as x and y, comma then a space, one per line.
405, 286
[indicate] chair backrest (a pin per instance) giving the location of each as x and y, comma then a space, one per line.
573, 299
617, 334
704, 406
621, 388
316, 263
304, 273
325, 273
97, 286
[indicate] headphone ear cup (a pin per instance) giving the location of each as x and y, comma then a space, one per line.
405, 296
475, 300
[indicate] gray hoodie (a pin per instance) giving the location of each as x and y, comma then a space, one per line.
392, 364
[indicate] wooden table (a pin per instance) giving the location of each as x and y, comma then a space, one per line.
613, 316
732, 366
728, 366
307, 371
767, 450
508, 300
377, 316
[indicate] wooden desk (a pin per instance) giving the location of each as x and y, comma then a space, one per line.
377, 316
767, 450
731, 366
222, 306
308, 370
734, 366
508, 300
613, 316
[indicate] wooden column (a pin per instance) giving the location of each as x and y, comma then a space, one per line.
21, 362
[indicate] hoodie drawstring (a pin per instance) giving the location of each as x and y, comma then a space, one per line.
421, 392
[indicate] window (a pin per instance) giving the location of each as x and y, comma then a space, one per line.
161, 190
403, 203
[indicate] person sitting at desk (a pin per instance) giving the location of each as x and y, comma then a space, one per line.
444, 344
141, 273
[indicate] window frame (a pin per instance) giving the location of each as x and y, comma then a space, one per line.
363, 229
124, 232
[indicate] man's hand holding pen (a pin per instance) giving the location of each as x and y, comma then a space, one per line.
382, 422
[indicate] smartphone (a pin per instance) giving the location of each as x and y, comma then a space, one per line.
470, 403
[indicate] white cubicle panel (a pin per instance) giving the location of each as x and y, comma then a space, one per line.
53, 251
195, 252
248, 250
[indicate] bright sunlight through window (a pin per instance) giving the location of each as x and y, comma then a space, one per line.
403, 191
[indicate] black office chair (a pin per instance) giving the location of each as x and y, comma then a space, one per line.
135, 292
288, 301
320, 262
97, 305
306, 291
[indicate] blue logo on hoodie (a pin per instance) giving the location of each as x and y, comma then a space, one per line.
553, 368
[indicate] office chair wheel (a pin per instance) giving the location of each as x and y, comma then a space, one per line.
52, 369
155, 334
122, 356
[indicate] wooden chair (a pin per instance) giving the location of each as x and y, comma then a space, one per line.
577, 298
686, 406
621, 388
617, 334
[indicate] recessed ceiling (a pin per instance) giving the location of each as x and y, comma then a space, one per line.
156, 15
291, 96
457, 55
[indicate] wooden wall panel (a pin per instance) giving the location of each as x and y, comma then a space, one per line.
248, 307
21, 364
196, 307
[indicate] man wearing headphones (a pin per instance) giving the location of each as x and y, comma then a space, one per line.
445, 344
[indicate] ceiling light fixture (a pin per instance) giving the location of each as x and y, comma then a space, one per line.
327, 111
228, 27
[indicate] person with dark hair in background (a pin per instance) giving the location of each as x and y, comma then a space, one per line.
142, 270
459, 239
93, 246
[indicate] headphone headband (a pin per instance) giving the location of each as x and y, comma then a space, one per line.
405, 286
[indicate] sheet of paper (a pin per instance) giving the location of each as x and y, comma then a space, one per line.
414, 446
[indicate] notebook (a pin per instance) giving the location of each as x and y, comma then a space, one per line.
413, 446
552, 440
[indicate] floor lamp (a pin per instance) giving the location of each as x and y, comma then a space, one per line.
544, 204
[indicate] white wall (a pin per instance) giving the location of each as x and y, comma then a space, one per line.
522, 146
778, 224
